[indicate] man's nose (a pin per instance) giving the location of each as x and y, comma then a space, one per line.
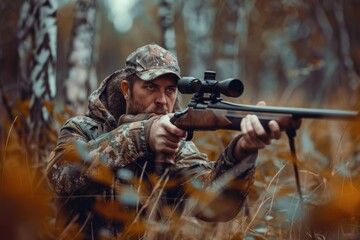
161, 98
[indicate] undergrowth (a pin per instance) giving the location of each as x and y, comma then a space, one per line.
328, 160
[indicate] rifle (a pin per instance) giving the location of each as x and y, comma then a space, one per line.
207, 110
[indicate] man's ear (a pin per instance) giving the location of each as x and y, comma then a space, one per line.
124, 85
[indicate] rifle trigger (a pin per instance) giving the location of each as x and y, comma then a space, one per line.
189, 135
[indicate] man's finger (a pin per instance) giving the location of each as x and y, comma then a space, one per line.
275, 129
259, 130
261, 103
249, 127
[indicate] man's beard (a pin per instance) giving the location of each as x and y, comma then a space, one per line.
136, 107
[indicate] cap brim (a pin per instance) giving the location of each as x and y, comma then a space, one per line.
151, 74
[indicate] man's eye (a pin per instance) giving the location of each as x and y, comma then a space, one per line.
150, 87
171, 89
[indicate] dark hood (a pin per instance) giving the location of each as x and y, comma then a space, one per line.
107, 103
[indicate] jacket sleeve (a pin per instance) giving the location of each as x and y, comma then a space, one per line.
82, 159
227, 182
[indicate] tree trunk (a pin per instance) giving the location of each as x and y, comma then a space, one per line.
167, 25
332, 20
81, 77
37, 52
227, 37
198, 21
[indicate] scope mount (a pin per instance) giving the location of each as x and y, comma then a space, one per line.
213, 95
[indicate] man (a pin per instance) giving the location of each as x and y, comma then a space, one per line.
104, 164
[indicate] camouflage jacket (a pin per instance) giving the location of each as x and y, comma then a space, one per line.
99, 164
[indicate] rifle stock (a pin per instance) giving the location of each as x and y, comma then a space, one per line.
192, 119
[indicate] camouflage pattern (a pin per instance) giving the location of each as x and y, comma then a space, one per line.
97, 161
151, 61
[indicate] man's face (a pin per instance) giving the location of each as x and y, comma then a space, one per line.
155, 96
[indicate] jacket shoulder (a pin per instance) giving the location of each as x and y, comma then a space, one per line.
83, 125
81, 121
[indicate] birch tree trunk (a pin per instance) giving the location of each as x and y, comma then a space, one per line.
198, 20
166, 13
37, 52
25, 39
229, 20
81, 77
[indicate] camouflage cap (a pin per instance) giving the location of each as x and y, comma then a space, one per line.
152, 61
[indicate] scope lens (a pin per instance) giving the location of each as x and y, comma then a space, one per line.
231, 87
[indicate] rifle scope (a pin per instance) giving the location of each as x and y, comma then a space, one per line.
230, 87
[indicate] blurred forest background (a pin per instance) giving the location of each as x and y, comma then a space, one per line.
299, 53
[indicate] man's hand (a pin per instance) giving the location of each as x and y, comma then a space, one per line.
254, 135
164, 136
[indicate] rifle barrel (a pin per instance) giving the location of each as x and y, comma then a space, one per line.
295, 112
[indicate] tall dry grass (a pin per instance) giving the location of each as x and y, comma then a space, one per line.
329, 157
